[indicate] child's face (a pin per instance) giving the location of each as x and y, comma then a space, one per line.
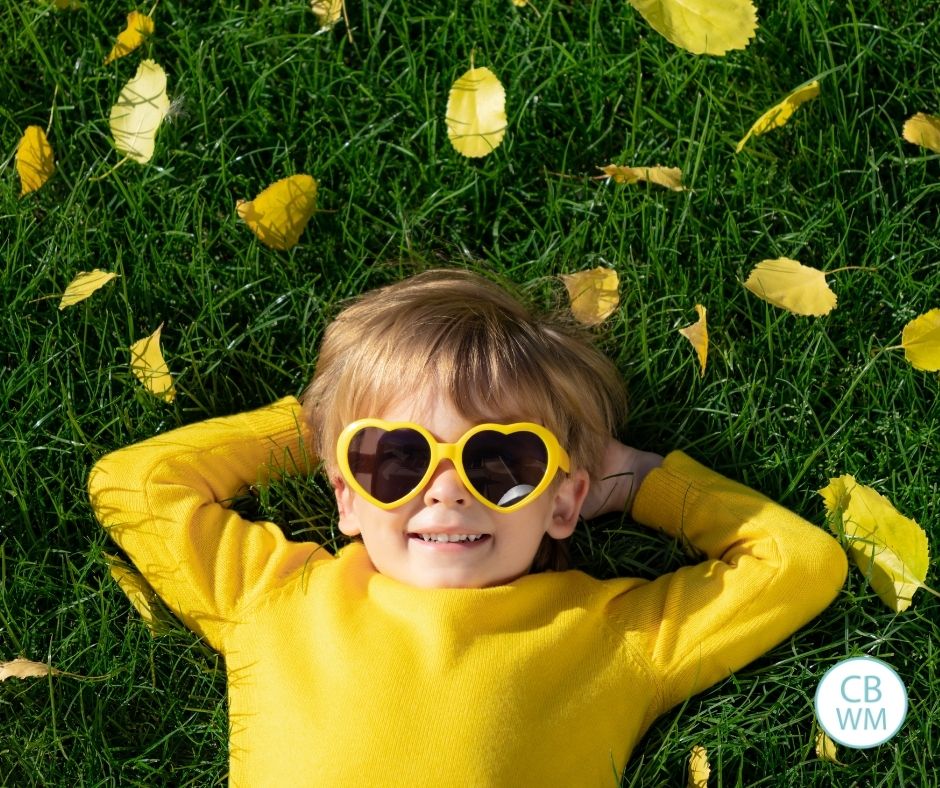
510, 540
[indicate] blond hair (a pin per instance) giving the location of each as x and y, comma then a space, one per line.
454, 334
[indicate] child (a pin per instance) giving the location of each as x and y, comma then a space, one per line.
463, 437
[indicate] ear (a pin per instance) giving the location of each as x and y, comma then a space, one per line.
566, 504
348, 522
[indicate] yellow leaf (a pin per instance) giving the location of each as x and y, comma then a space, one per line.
779, 114
279, 214
594, 294
709, 27
139, 29
699, 768
139, 111
328, 12
34, 160
25, 669
670, 177
83, 285
888, 547
476, 113
520, 3
921, 341
148, 365
140, 593
826, 748
923, 130
792, 286
697, 334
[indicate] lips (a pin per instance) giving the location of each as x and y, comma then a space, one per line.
443, 537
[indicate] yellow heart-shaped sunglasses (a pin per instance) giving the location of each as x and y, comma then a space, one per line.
504, 466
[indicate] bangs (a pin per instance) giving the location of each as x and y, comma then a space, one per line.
486, 371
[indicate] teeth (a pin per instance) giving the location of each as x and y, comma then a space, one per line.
451, 537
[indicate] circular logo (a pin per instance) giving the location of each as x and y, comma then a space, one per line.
861, 702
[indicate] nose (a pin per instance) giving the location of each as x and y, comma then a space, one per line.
445, 487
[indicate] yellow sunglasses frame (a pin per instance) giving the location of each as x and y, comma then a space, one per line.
557, 458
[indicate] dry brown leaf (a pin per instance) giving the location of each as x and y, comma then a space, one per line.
25, 669
779, 114
923, 130
670, 177
697, 334
888, 547
594, 294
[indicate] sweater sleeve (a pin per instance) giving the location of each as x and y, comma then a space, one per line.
765, 574
163, 501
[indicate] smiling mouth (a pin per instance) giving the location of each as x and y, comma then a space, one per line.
442, 538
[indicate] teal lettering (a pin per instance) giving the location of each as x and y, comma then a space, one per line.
845, 681
849, 718
872, 693
874, 721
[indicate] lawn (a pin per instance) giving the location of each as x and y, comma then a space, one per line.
260, 93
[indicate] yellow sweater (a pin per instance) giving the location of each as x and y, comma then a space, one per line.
340, 676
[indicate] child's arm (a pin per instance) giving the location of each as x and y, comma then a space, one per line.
162, 500
766, 572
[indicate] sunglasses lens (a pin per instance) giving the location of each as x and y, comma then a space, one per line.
505, 469
388, 464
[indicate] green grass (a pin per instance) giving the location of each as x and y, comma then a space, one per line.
786, 402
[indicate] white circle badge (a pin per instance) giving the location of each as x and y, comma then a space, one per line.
861, 702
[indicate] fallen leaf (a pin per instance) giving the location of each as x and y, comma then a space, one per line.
697, 334
923, 130
476, 113
148, 365
921, 341
670, 177
790, 285
520, 3
826, 748
279, 214
703, 27
83, 285
699, 768
140, 109
25, 669
139, 29
34, 159
888, 547
594, 294
779, 114
328, 12
140, 593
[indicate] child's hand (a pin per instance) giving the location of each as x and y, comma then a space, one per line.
622, 473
